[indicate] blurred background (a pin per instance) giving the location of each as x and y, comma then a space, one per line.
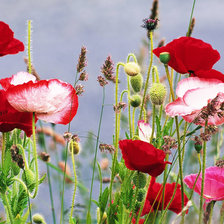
61, 28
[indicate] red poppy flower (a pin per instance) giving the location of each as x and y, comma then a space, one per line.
8, 44
11, 118
210, 74
141, 221
189, 55
154, 197
52, 100
142, 156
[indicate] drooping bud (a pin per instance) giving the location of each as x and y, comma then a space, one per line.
164, 57
136, 82
139, 179
38, 218
135, 100
29, 179
131, 68
75, 145
157, 93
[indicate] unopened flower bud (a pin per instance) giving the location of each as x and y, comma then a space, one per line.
137, 82
38, 218
29, 178
74, 145
141, 194
157, 93
197, 147
164, 57
104, 217
131, 68
139, 180
135, 100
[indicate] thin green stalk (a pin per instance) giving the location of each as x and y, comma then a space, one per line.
221, 220
211, 211
8, 209
203, 175
35, 157
184, 136
116, 131
3, 148
29, 47
148, 74
192, 11
96, 150
178, 140
75, 184
49, 179
133, 120
133, 56
129, 106
153, 121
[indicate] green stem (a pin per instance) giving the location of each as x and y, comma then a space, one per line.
6, 203
192, 11
49, 179
24, 156
153, 121
35, 157
116, 132
96, 150
133, 56
178, 140
148, 75
129, 106
29, 47
203, 175
75, 184
133, 120
3, 148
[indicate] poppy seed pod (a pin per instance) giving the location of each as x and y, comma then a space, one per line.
139, 180
38, 218
164, 57
135, 100
157, 93
136, 82
131, 68
141, 194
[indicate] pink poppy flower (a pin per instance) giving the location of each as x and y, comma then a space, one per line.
145, 131
214, 183
194, 94
52, 100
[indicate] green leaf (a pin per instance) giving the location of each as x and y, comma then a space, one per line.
158, 127
7, 163
168, 127
103, 199
88, 218
100, 177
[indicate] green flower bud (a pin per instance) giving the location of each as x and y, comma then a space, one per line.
15, 169
164, 57
139, 180
135, 100
29, 179
157, 93
141, 194
131, 68
198, 147
75, 145
137, 82
104, 217
38, 218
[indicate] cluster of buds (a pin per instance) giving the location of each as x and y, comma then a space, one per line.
79, 89
102, 81
106, 147
83, 76
150, 24
169, 143
45, 157
16, 157
108, 70
209, 131
82, 62
219, 163
119, 106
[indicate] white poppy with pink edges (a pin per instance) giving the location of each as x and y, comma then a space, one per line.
145, 131
51, 100
194, 94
